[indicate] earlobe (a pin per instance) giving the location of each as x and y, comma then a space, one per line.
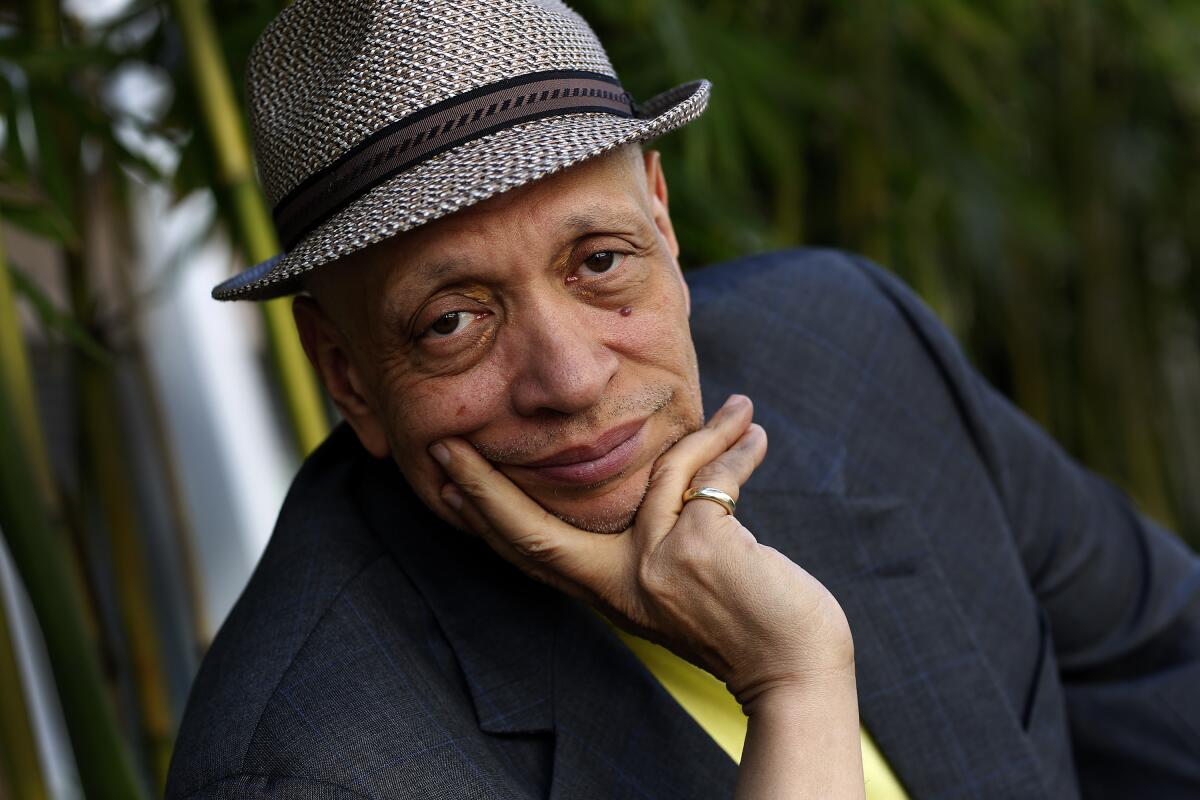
328, 352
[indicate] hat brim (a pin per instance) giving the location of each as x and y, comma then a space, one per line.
461, 177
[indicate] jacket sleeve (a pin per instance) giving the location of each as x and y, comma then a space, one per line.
1121, 593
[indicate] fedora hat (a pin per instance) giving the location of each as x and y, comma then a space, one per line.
371, 117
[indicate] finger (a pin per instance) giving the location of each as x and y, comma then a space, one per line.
727, 473
674, 469
730, 470
465, 514
522, 528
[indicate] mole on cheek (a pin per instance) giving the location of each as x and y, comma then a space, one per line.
626, 311
461, 410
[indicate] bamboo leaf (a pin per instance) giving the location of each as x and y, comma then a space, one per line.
40, 219
56, 320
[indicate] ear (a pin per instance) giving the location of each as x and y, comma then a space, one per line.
656, 185
329, 352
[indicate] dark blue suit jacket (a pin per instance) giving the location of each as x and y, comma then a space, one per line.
1020, 630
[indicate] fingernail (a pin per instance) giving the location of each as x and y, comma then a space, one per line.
452, 497
440, 453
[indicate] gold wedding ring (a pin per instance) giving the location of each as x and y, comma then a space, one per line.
708, 493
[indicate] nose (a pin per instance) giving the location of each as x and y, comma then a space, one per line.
564, 365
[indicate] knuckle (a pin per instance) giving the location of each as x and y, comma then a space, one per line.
685, 553
472, 486
694, 553
653, 579
715, 472
663, 471
535, 546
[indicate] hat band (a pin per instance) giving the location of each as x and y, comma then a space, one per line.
433, 130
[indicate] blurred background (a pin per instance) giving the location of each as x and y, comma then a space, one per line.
1030, 167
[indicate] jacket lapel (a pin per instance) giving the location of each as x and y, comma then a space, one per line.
926, 693
499, 623
537, 661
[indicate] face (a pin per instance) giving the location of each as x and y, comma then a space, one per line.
547, 326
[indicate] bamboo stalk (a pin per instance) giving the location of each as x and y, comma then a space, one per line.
253, 222
41, 553
104, 762
105, 461
18, 748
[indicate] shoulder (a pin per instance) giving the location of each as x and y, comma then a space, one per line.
781, 274
321, 555
829, 340
841, 298
824, 316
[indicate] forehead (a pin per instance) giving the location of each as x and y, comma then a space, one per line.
609, 190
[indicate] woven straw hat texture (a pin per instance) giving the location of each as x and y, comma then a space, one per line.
327, 74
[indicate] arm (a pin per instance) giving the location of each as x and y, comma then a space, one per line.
1121, 593
804, 744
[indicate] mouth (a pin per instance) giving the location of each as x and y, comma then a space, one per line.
592, 464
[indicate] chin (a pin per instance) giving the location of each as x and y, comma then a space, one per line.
611, 512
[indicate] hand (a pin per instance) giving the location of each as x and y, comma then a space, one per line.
688, 576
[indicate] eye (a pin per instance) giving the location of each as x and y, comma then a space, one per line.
603, 261
451, 323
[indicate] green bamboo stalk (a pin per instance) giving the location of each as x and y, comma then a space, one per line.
256, 230
102, 463
40, 550
106, 469
18, 748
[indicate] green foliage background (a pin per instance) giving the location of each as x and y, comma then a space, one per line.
1030, 167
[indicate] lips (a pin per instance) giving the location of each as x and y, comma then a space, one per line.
588, 464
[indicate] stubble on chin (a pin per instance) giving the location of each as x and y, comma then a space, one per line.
619, 520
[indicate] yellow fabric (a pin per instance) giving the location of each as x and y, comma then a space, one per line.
715, 709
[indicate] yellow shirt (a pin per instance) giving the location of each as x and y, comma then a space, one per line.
716, 710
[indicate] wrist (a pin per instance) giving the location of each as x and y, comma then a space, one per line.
800, 693
807, 668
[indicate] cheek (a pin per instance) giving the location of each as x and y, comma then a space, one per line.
431, 409
425, 410
652, 330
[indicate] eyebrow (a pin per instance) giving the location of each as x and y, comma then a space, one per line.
582, 221
437, 269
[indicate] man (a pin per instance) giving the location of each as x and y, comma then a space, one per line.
494, 303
